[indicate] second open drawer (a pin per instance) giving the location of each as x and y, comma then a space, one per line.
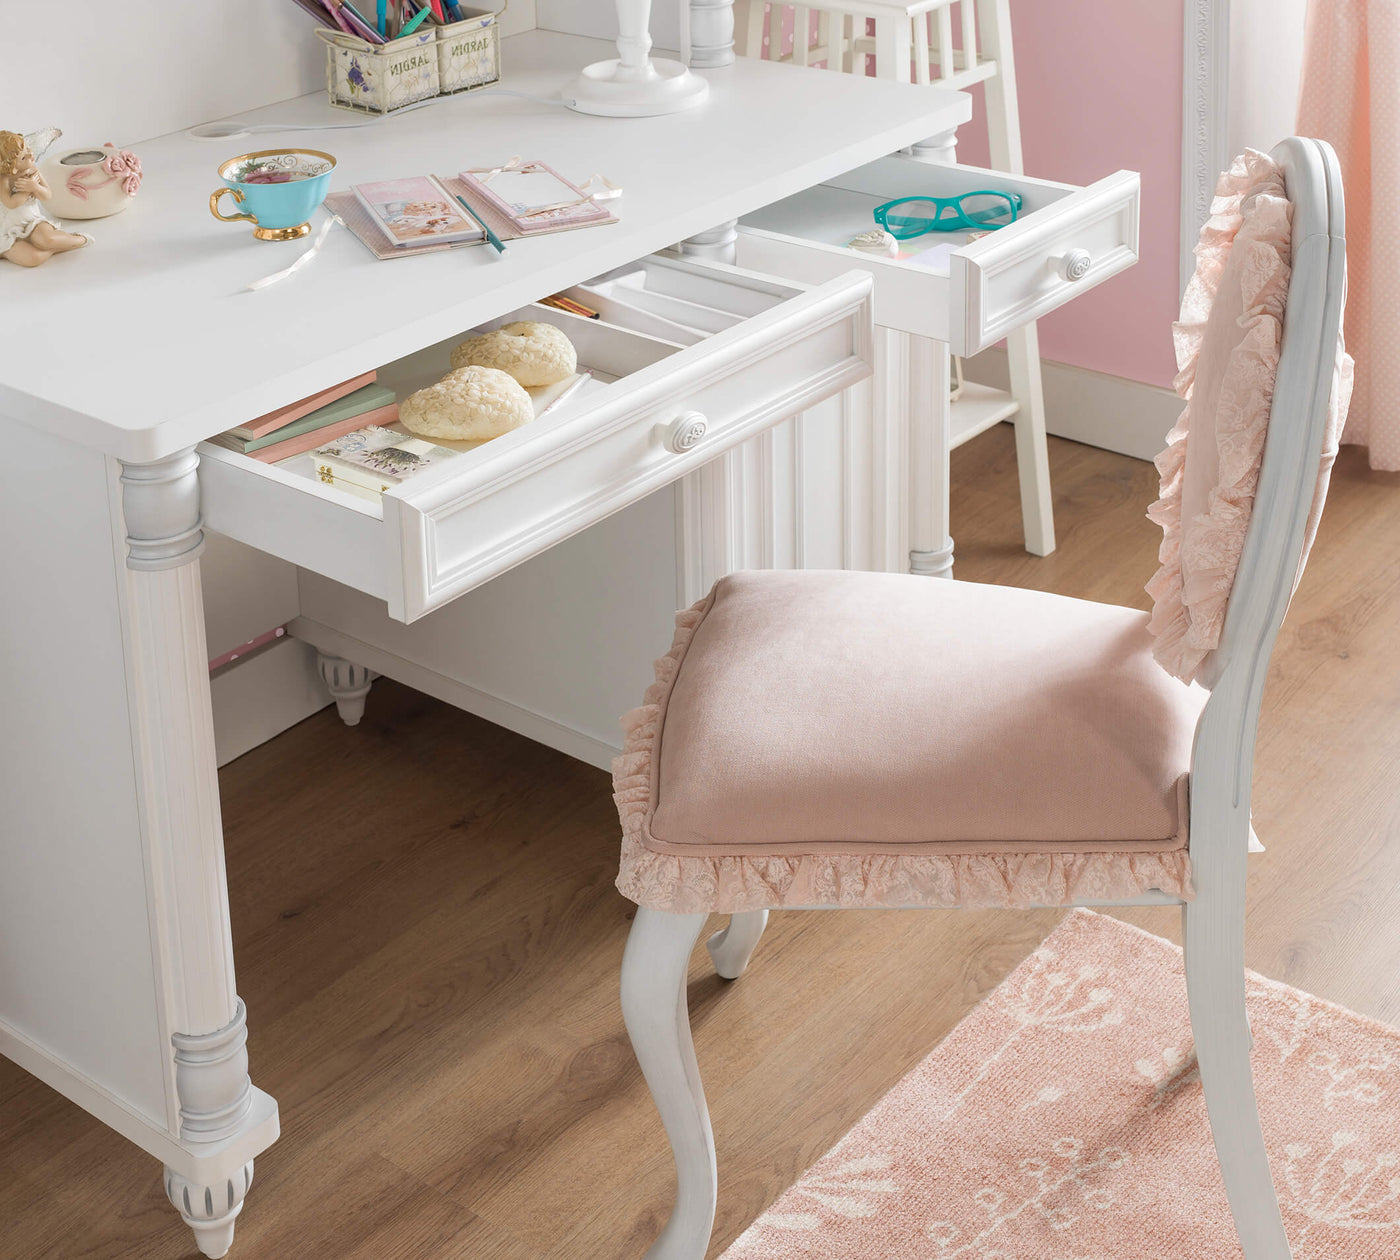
771, 349
1065, 240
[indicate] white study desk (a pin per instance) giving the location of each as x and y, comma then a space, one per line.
159, 293
116, 959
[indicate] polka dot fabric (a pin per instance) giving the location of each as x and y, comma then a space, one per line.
1351, 98
784, 24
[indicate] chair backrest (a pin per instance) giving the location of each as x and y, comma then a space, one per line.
843, 35
1273, 550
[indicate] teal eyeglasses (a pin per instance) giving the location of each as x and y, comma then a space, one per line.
913, 216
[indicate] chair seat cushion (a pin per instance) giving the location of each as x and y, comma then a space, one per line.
813, 731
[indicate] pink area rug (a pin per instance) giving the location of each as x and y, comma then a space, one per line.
1063, 1119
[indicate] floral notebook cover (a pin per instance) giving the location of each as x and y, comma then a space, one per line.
417, 211
376, 457
533, 196
352, 212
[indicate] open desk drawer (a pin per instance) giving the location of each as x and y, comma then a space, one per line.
1066, 240
762, 350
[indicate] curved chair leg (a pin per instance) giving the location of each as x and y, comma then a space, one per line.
1213, 932
658, 1022
733, 946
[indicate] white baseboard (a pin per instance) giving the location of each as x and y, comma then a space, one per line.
262, 694
1092, 407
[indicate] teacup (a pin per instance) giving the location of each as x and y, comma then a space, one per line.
279, 190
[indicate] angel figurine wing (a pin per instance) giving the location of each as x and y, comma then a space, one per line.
39, 141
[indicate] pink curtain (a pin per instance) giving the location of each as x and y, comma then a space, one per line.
1351, 97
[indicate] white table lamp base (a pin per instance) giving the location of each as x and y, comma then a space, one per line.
634, 85
611, 88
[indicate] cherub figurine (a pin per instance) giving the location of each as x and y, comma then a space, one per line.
26, 236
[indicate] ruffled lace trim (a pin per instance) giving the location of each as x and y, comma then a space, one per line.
728, 885
1187, 617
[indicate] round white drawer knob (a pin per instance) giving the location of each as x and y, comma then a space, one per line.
685, 432
1075, 264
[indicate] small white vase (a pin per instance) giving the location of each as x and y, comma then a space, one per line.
84, 184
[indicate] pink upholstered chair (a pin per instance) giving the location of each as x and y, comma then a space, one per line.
844, 740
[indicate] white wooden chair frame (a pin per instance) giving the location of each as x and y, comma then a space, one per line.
918, 34
658, 949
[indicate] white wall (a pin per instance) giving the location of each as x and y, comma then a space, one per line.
126, 72
599, 18
1266, 59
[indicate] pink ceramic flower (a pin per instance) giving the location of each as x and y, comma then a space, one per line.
123, 164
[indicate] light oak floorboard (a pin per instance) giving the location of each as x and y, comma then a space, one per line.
428, 942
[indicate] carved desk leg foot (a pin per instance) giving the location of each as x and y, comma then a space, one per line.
210, 1210
348, 684
216, 1096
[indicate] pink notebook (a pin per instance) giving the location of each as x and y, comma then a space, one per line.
534, 197
354, 215
319, 437
416, 211
264, 425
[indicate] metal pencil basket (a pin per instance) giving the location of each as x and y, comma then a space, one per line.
469, 52
433, 61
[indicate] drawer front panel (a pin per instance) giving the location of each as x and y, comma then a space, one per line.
520, 495
1067, 240
1013, 276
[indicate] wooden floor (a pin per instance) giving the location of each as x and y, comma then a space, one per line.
428, 942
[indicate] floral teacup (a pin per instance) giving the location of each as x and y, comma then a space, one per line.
279, 190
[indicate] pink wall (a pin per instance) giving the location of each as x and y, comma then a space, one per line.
1100, 89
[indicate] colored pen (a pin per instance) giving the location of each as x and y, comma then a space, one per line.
314, 8
334, 10
382, 18
413, 23
495, 240
437, 11
454, 11
362, 28
562, 303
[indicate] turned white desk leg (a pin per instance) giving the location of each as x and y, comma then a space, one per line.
1032, 451
930, 543
168, 680
348, 684
939, 150
719, 244
711, 33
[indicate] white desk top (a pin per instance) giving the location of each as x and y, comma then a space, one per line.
146, 341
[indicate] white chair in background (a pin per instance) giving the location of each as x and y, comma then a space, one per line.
914, 42
846, 740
